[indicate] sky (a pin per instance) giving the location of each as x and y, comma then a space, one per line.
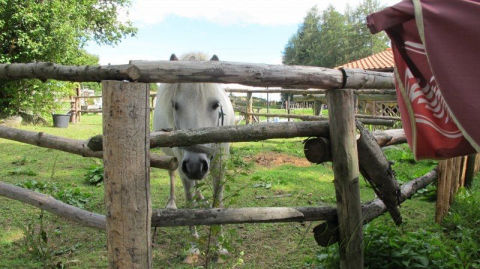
254, 31
236, 30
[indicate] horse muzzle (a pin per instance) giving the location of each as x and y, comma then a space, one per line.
195, 166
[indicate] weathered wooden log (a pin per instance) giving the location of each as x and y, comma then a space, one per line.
126, 129
377, 170
384, 121
209, 71
359, 78
326, 233
186, 217
52, 205
74, 146
346, 173
243, 133
362, 117
390, 137
317, 150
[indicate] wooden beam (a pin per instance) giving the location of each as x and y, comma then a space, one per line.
317, 150
211, 216
346, 174
50, 204
377, 170
209, 71
243, 133
126, 129
365, 119
257, 132
74, 146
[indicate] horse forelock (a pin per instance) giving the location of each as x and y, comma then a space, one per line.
194, 56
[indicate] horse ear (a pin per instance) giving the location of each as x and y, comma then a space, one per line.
173, 57
214, 58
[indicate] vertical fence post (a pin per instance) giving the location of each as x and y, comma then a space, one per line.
248, 115
346, 173
77, 104
288, 106
268, 106
317, 108
470, 171
73, 118
126, 146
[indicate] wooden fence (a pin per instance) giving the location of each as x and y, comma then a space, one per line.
127, 157
76, 109
318, 96
454, 173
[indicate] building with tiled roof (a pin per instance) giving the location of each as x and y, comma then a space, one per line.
382, 61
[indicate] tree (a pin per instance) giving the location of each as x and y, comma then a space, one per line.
52, 31
363, 43
330, 39
302, 47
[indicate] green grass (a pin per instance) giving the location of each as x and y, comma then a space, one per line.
287, 245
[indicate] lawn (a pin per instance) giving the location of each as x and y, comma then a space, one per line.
268, 173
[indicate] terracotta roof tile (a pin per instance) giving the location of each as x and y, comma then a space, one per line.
382, 61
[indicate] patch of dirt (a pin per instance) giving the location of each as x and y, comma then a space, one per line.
272, 159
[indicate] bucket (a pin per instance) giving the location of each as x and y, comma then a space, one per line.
61, 120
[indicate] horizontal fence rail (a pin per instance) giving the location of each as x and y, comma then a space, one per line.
365, 119
185, 138
74, 146
187, 217
210, 71
182, 138
266, 90
241, 133
386, 97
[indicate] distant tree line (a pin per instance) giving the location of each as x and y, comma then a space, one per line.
330, 38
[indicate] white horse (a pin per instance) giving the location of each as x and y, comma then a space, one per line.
191, 106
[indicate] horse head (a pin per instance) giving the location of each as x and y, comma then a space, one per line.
193, 106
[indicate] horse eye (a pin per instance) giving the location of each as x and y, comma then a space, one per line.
215, 105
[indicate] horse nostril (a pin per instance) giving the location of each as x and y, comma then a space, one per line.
184, 167
204, 166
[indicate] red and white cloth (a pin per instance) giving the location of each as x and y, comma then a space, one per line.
435, 45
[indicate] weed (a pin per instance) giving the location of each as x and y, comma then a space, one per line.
73, 196
94, 175
36, 241
387, 246
21, 161
22, 171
